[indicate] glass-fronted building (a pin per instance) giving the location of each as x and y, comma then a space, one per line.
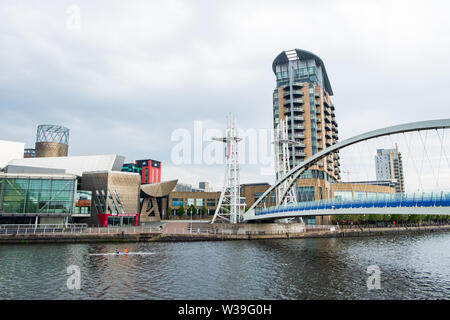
37, 195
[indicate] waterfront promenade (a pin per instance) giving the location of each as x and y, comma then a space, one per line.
167, 231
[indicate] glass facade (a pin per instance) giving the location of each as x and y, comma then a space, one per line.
304, 71
37, 195
83, 202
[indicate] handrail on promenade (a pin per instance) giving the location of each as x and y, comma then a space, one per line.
43, 226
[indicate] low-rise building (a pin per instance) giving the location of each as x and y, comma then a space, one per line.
37, 198
115, 197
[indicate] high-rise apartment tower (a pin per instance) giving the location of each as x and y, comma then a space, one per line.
302, 98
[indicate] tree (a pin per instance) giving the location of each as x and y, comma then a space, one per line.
192, 209
169, 211
373, 218
203, 211
180, 211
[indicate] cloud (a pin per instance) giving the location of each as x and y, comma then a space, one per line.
135, 73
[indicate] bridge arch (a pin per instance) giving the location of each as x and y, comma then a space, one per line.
302, 167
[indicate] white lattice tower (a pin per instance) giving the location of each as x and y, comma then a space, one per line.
230, 207
282, 165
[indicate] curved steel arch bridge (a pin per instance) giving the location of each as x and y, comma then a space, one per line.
302, 167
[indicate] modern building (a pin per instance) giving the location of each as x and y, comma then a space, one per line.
389, 166
115, 196
252, 191
74, 165
37, 198
29, 153
205, 186
199, 199
52, 141
302, 98
131, 167
10, 150
149, 170
155, 200
184, 187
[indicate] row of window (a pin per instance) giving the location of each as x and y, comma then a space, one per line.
302, 72
199, 202
272, 197
26, 195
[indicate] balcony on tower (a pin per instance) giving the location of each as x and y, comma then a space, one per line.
295, 85
296, 110
297, 127
295, 93
295, 101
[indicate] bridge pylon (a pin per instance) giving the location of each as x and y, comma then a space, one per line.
231, 205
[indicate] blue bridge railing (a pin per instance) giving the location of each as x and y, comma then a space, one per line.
441, 199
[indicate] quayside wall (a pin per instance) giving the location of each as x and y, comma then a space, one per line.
162, 236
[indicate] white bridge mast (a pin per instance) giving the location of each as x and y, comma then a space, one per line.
230, 206
282, 166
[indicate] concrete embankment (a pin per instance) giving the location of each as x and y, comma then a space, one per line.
161, 236
78, 238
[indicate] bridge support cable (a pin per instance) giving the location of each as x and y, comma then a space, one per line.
443, 152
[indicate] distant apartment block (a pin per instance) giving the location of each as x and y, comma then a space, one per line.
389, 166
205, 186
29, 153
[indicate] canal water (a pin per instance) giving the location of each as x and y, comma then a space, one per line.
411, 267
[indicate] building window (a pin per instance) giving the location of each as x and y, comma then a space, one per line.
199, 202
113, 221
305, 194
258, 195
129, 221
177, 202
190, 201
211, 202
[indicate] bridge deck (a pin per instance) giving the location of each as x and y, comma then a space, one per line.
397, 204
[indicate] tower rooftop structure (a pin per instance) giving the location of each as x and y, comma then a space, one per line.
285, 56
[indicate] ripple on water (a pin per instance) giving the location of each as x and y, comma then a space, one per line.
412, 267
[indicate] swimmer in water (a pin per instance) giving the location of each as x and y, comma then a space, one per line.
126, 250
117, 251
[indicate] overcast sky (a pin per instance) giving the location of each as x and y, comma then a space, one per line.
135, 71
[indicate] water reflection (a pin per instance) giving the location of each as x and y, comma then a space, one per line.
412, 267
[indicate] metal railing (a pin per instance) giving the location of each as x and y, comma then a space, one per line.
123, 230
42, 228
74, 228
441, 199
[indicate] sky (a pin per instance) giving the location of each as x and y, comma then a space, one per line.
124, 76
